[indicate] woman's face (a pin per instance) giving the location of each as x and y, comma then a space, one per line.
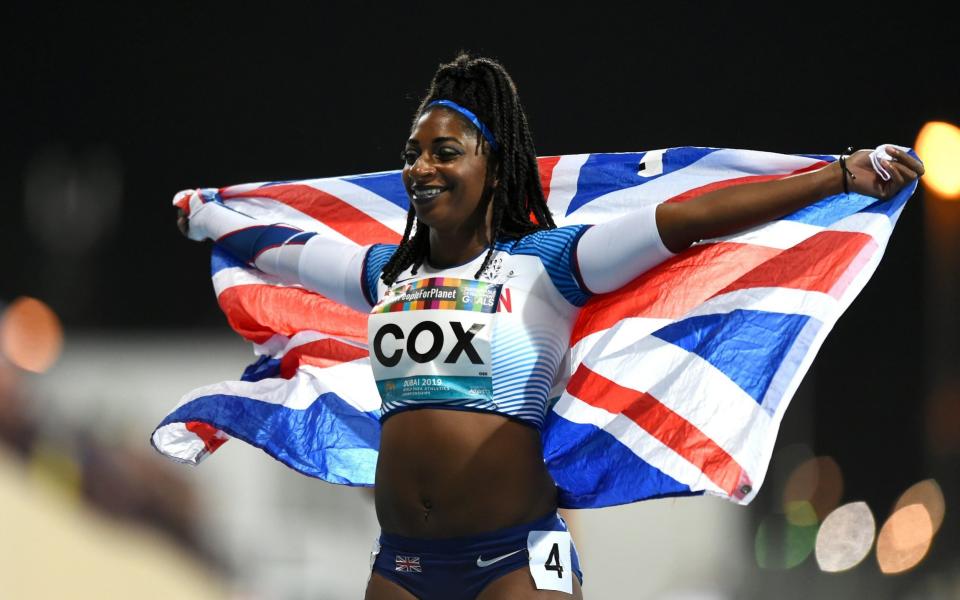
444, 173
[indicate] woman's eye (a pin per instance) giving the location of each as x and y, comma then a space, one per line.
447, 154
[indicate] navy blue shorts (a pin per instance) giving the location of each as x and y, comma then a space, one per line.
459, 568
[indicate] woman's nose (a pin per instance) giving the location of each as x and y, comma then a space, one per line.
422, 168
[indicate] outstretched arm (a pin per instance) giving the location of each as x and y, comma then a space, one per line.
736, 208
613, 253
328, 266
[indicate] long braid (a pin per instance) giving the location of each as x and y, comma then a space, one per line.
420, 246
404, 251
483, 86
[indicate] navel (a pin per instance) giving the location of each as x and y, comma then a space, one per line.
427, 506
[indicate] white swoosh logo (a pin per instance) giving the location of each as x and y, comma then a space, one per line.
486, 563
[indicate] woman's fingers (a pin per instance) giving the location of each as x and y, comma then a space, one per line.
896, 181
903, 158
905, 171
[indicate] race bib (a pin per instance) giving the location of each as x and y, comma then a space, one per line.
430, 340
550, 560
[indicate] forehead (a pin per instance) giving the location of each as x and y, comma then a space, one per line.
442, 122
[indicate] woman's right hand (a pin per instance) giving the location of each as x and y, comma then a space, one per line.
864, 178
189, 204
183, 223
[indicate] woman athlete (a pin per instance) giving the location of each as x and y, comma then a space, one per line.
466, 505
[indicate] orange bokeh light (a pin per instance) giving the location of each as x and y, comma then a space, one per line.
926, 493
31, 336
938, 145
816, 481
904, 539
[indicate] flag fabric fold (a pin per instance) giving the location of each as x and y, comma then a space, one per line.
676, 383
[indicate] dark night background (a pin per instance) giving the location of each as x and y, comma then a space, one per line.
188, 94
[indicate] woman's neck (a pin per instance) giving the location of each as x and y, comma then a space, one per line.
448, 249
462, 244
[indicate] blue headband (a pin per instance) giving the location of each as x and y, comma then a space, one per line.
471, 117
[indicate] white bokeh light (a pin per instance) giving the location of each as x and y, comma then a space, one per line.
845, 537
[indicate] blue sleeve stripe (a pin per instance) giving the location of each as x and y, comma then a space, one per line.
377, 258
556, 250
364, 287
575, 264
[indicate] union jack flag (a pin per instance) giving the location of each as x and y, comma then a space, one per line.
678, 381
408, 564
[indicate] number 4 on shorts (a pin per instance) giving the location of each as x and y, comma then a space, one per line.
550, 560
553, 561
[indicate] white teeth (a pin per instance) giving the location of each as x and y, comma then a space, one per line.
426, 194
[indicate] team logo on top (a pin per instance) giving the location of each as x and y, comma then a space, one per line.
493, 268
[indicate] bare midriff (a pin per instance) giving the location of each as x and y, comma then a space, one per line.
449, 473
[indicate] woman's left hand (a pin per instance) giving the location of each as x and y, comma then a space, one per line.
863, 179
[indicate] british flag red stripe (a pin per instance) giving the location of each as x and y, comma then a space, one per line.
334, 212
546, 164
259, 311
667, 426
816, 264
725, 183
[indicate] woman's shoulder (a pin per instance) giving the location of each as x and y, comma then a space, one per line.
556, 250
554, 240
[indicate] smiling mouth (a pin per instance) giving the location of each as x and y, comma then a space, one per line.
424, 195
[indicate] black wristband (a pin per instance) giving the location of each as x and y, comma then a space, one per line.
844, 171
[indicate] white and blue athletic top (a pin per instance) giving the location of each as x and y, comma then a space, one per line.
441, 338
492, 344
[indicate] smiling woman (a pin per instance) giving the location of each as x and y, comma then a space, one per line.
470, 317
446, 172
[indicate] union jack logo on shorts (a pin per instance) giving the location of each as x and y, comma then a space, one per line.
408, 564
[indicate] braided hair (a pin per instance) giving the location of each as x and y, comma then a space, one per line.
484, 87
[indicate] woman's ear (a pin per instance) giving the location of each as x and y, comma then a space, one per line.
494, 171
